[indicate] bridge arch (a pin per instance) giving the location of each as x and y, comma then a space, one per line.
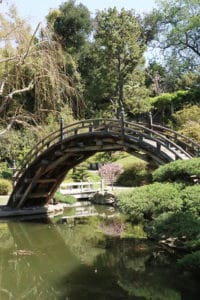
46, 165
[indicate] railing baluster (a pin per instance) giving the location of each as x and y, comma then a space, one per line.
91, 127
61, 130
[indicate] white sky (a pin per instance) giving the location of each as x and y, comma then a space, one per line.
36, 10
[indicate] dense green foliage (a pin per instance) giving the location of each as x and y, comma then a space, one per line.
187, 121
80, 173
191, 262
191, 199
135, 174
5, 187
176, 25
5, 171
149, 201
170, 211
178, 171
79, 66
72, 25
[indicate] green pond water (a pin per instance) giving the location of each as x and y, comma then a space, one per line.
87, 258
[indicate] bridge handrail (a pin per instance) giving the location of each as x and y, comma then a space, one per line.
54, 137
185, 139
152, 132
92, 125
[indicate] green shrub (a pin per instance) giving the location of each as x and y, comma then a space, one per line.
135, 175
80, 173
191, 199
179, 170
5, 172
149, 201
5, 187
64, 198
178, 225
191, 262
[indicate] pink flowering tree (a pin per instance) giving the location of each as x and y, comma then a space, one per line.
110, 172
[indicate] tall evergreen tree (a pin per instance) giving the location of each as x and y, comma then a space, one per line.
72, 25
117, 52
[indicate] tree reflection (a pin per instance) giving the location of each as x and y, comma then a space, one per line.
76, 262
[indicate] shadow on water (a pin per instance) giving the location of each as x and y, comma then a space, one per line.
45, 260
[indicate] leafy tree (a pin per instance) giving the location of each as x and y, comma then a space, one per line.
187, 121
175, 25
117, 53
188, 81
34, 80
72, 25
155, 78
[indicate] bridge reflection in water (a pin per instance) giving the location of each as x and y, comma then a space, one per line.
46, 165
56, 261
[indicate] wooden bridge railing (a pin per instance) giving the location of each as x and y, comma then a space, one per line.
162, 136
185, 142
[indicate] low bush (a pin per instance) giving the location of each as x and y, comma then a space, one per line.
135, 175
5, 172
64, 198
149, 201
191, 199
5, 187
179, 170
175, 225
80, 173
191, 262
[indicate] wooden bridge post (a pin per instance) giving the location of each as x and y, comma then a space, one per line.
198, 152
150, 120
122, 121
61, 130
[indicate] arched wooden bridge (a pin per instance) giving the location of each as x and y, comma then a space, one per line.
46, 165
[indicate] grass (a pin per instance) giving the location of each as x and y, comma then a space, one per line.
127, 161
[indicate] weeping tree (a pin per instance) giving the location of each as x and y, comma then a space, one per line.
34, 79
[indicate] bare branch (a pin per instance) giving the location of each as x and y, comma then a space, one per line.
2, 84
8, 127
10, 96
28, 88
30, 42
6, 59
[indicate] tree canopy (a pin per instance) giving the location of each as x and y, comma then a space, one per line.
117, 55
71, 24
83, 66
175, 25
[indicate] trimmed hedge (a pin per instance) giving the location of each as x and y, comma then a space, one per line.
135, 175
173, 213
179, 170
149, 201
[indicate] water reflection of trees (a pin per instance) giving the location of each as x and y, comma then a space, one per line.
29, 265
56, 261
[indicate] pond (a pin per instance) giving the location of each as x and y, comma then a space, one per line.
87, 258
